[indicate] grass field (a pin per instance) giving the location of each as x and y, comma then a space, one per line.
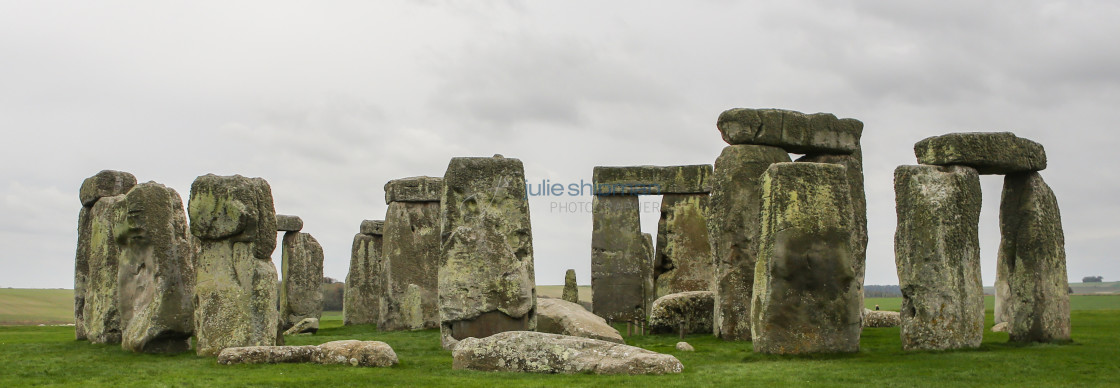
49, 356
35, 306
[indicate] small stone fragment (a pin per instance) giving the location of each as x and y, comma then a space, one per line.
685, 347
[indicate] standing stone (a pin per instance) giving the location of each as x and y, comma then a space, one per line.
618, 260
854, 164
937, 254
690, 309
410, 265
684, 250
301, 292
649, 285
486, 283
107, 183
1032, 256
805, 297
101, 311
156, 274
234, 223
571, 290
362, 296
734, 229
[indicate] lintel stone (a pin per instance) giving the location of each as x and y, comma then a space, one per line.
653, 180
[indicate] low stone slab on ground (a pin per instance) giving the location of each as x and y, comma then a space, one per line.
347, 352
525, 351
558, 316
987, 152
876, 318
692, 308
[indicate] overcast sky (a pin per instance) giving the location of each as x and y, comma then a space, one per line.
329, 100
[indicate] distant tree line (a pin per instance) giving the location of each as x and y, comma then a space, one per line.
332, 294
876, 291
1092, 279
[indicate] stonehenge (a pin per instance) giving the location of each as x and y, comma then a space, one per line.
301, 294
410, 254
96, 315
486, 279
233, 222
362, 297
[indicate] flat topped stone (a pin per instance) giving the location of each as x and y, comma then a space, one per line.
532, 352
414, 189
106, 183
372, 227
286, 223
652, 180
987, 152
793, 131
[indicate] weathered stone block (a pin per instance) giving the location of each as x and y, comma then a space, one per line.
937, 254
305, 326
524, 351
486, 282
361, 303
571, 290
876, 318
81, 272
693, 309
286, 223
347, 352
234, 223
619, 262
652, 180
734, 222
414, 189
155, 279
557, 316
1032, 257
410, 267
805, 297
372, 227
790, 130
987, 152
301, 292
101, 308
854, 164
684, 251
107, 183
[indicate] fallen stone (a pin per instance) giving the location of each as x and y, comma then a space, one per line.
620, 264
796, 132
234, 222
101, 308
356, 353
684, 252
685, 347
155, 278
652, 180
414, 189
372, 227
285, 223
307, 325
805, 297
1032, 259
361, 299
267, 354
557, 316
486, 276
734, 227
301, 292
692, 308
107, 183
523, 351
937, 254
1002, 327
987, 152
571, 290
878, 318
410, 266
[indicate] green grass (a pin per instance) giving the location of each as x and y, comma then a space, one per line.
20, 306
49, 356
1076, 302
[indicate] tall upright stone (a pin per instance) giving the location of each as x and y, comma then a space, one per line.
155, 279
854, 164
486, 281
410, 265
619, 263
101, 308
1032, 259
734, 223
684, 251
301, 291
234, 223
107, 183
937, 255
362, 296
805, 297
571, 290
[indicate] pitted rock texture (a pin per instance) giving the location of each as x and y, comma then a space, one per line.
796, 132
1032, 260
652, 180
347, 352
301, 292
854, 164
693, 309
234, 224
372, 227
937, 254
684, 251
805, 297
571, 290
523, 351
155, 278
286, 223
361, 303
879, 318
414, 189
107, 183
620, 264
410, 267
735, 217
101, 307
987, 152
486, 281
558, 316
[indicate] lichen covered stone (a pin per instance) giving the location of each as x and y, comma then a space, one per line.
523, 351
652, 180
693, 309
107, 183
792, 131
301, 291
361, 300
853, 163
571, 290
987, 152
101, 308
410, 266
619, 261
683, 256
372, 227
286, 223
558, 316
414, 189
